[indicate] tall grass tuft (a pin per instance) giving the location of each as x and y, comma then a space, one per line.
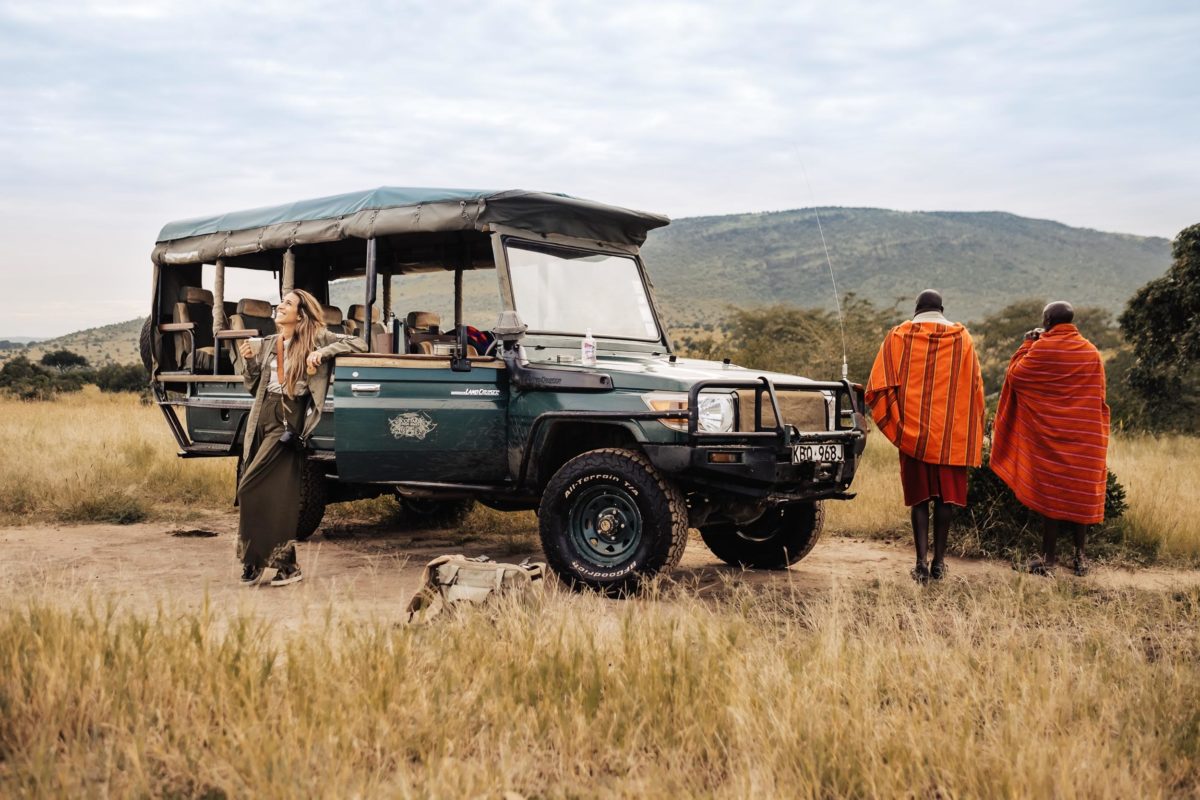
993, 688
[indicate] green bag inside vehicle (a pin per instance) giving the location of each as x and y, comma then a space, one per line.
449, 580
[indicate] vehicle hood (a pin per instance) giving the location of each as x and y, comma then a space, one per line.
658, 373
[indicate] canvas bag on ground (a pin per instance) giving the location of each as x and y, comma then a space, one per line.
447, 580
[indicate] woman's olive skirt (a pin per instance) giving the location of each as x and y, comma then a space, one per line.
269, 490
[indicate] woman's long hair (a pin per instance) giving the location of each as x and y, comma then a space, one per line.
304, 339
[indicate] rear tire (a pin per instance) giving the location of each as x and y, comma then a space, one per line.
609, 521
313, 497
146, 347
783, 535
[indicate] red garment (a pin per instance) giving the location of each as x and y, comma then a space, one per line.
926, 393
923, 481
1050, 441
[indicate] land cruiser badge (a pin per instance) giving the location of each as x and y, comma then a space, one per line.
413, 425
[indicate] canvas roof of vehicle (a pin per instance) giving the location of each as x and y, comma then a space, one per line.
388, 211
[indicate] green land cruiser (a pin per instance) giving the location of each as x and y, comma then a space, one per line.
620, 454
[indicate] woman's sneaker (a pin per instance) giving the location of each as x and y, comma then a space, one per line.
289, 573
251, 574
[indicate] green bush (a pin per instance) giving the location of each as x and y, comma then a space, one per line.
122, 378
995, 523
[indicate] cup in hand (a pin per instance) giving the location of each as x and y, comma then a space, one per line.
255, 345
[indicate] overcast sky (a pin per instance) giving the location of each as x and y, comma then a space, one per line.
116, 117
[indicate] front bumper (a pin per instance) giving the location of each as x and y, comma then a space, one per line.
759, 463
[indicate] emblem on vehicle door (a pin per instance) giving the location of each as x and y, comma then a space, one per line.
412, 425
475, 393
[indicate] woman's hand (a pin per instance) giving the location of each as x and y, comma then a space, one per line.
245, 349
314, 359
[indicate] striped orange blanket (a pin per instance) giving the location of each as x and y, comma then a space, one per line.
926, 393
1050, 441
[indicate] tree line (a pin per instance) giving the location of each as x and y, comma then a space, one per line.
63, 371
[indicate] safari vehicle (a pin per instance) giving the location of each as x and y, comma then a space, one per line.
618, 458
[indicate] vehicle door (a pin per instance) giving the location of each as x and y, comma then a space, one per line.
413, 418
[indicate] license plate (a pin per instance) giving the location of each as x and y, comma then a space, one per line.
821, 453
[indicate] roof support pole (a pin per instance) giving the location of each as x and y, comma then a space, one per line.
387, 297
220, 321
369, 300
458, 299
289, 273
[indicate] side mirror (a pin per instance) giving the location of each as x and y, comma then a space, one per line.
510, 329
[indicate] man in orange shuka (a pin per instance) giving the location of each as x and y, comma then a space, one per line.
1050, 441
926, 397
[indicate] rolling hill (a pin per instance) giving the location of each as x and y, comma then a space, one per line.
701, 266
980, 261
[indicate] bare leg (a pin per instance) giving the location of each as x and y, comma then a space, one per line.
1050, 541
920, 526
942, 514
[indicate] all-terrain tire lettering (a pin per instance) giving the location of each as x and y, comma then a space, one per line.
663, 516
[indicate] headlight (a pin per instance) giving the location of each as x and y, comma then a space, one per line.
715, 410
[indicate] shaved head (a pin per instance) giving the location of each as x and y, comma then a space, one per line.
1060, 312
929, 300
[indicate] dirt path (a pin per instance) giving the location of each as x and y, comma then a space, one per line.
361, 574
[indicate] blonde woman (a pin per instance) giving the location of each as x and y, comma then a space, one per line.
289, 378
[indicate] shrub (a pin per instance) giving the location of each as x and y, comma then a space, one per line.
995, 523
122, 378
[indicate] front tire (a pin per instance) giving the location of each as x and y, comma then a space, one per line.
609, 521
783, 535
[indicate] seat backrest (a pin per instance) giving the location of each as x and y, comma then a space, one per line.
195, 305
378, 339
425, 336
253, 315
423, 322
333, 319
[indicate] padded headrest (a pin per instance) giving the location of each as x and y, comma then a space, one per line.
254, 308
422, 320
357, 312
194, 294
333, 315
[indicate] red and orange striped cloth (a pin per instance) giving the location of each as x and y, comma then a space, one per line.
926, 393
1050, 440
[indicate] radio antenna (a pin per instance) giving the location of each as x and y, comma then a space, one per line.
837, 298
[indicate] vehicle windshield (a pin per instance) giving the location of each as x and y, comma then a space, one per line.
557, 290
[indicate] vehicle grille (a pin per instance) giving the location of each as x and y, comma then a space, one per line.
805, 410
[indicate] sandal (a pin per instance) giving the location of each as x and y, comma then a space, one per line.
1081, 566
920, 573
937, 570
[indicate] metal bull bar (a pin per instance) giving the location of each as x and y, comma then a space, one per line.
782, 431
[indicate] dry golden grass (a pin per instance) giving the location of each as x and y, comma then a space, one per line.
993, 688
90, 457
1162, 477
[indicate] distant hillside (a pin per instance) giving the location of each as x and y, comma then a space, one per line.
108, 344
980, 261
703, 265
